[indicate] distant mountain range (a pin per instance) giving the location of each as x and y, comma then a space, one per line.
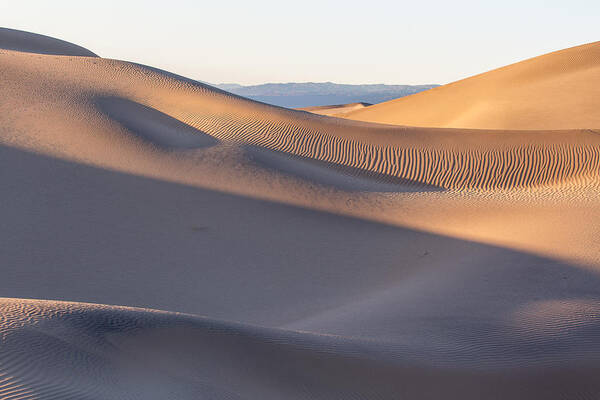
308, 94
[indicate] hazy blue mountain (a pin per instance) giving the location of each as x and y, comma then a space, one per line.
228, 86
308, 94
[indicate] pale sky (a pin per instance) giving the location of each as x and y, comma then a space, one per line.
367, 41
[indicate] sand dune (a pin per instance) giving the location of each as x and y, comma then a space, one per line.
12, 39
315, 257
558, 90
113, 352
452, 159
335, 110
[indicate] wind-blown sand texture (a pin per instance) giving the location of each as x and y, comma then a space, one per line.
314, 257
559, 90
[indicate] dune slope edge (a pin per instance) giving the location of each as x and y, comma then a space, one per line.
12, 39
559, 90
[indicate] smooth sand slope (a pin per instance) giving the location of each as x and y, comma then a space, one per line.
335, 110
315, 257
559, 90
12, 39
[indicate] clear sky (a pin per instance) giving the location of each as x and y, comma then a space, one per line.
367, 41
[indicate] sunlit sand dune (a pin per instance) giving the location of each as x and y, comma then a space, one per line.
335, 110
315, 257
103, 94
560, 90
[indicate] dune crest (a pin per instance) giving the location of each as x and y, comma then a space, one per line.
111, 352
559, 90
12, 39
335, 110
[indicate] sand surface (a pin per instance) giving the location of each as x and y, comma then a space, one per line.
292, 255
336, 109
559, 90
12, 39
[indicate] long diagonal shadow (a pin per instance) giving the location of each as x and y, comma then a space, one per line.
75, 232
154, 126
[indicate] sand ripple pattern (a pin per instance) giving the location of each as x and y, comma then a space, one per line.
471, 164
439, 157
64, 350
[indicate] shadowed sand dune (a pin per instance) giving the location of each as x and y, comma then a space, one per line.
12, 39
113, 352
315, 257
153, 126
559, 90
